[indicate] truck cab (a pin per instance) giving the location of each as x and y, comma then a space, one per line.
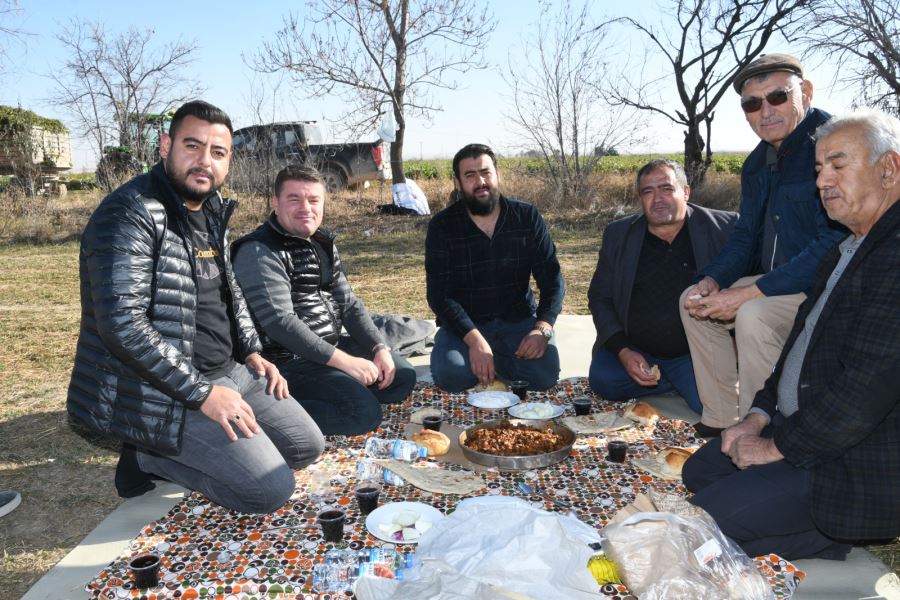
260, 151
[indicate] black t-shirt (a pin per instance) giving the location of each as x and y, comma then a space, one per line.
212, 344
664, 272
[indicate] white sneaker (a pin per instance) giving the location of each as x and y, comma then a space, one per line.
9, 500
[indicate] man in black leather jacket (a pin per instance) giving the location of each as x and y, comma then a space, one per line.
167, 359
300, 298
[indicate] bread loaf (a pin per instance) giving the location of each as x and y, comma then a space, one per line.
642, 413
437, 443
671, 460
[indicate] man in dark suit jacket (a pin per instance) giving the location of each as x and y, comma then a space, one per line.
816, 461
634, 293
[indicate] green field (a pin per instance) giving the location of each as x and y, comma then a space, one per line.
724, 162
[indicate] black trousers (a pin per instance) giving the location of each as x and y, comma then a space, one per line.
764, 508
339, 404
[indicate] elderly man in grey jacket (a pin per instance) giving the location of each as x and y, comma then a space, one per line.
645, 262
300, 299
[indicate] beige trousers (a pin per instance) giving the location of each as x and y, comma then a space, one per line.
730, 371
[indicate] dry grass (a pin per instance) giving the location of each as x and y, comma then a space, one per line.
66, 482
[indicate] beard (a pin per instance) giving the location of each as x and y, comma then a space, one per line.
188, 192
480, 207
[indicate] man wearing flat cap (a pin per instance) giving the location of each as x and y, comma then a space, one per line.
743, 305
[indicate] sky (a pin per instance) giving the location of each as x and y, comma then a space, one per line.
227, 32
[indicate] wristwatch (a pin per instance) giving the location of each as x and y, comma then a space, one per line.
545, 331
379, 347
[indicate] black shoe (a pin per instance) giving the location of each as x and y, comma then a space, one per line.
130, 480
705, 431
9, 500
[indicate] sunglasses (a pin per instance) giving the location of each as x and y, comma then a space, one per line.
776, 98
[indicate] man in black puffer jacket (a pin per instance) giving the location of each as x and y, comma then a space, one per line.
167, 359
300, 298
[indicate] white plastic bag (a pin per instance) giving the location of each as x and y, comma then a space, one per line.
495, 547
410, 195
663, 556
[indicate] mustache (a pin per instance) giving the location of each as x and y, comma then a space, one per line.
202, 171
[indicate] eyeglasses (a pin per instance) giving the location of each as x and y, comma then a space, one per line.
776, 98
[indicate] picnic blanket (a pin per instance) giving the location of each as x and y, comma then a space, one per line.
210, 552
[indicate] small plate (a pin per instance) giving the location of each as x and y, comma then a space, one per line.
520, 411
493, 400
385, 514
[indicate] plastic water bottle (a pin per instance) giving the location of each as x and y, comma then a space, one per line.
368, 469
404, 450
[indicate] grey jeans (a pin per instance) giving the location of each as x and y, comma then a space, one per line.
252, 475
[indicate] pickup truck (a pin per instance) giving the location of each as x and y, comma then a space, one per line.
260, 151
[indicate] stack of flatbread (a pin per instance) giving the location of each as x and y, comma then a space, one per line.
596, 423
667, 463
418, 417
435, 479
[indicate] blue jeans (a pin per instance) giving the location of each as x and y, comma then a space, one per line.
608, 378
764, 508
339, 404
254, 475
450, 357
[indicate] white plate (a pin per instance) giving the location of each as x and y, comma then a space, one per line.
519, 410
493, 400
385, 514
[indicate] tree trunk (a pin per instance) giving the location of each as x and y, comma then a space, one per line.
397, 175
694, 165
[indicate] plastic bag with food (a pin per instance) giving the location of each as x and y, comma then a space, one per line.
664, 556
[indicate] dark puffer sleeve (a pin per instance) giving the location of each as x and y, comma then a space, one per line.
119, 249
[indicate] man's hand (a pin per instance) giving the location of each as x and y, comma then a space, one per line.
749, 450
481, 357
533, 345
724, 304
696, 296
384, 362
363, 370
752, 425
226, 407
277, 383
637, 368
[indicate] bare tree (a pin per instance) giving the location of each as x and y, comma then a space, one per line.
9, 32
557, 79
117, 87
703, 43
253, 175
381, 55
863, 37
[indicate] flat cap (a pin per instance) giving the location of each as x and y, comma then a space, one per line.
767, 63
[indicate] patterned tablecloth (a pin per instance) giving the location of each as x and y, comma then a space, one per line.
210, 552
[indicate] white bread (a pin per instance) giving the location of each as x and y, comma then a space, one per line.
642, 413
671, 460
652, 371
437, 443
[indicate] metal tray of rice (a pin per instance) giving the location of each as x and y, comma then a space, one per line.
561, 437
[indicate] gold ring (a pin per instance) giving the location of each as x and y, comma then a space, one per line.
237, 417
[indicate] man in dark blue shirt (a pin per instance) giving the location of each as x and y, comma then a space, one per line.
480, 255
755, 285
